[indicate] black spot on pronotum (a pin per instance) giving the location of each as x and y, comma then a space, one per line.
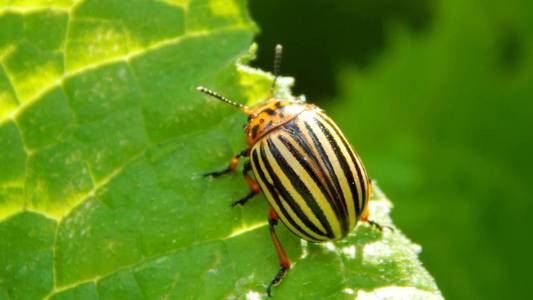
254, 130
270, 112
261, 121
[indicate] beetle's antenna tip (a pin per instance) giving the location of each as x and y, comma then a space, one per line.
277, 62
221, 98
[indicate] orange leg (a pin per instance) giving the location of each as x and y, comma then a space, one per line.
254, 187
232, 165
364, 218
366, 213
284, 262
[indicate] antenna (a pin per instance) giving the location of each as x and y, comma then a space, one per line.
221, 98
277, 63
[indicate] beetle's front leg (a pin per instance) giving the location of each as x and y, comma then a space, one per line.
254, 187
232, 165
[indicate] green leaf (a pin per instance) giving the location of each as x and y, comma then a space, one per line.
103, 140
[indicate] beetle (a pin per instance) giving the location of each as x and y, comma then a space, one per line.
314, 181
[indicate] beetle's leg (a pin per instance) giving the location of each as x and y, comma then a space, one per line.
284, 262
254, 187
374, 224
364, 216
232, 165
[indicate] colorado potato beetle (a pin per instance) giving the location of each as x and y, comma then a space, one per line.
314, 181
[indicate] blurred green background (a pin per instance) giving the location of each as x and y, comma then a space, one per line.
437, 97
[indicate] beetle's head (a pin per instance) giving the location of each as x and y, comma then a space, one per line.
270, 114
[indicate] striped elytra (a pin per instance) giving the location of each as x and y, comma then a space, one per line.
311, 176
313, 180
